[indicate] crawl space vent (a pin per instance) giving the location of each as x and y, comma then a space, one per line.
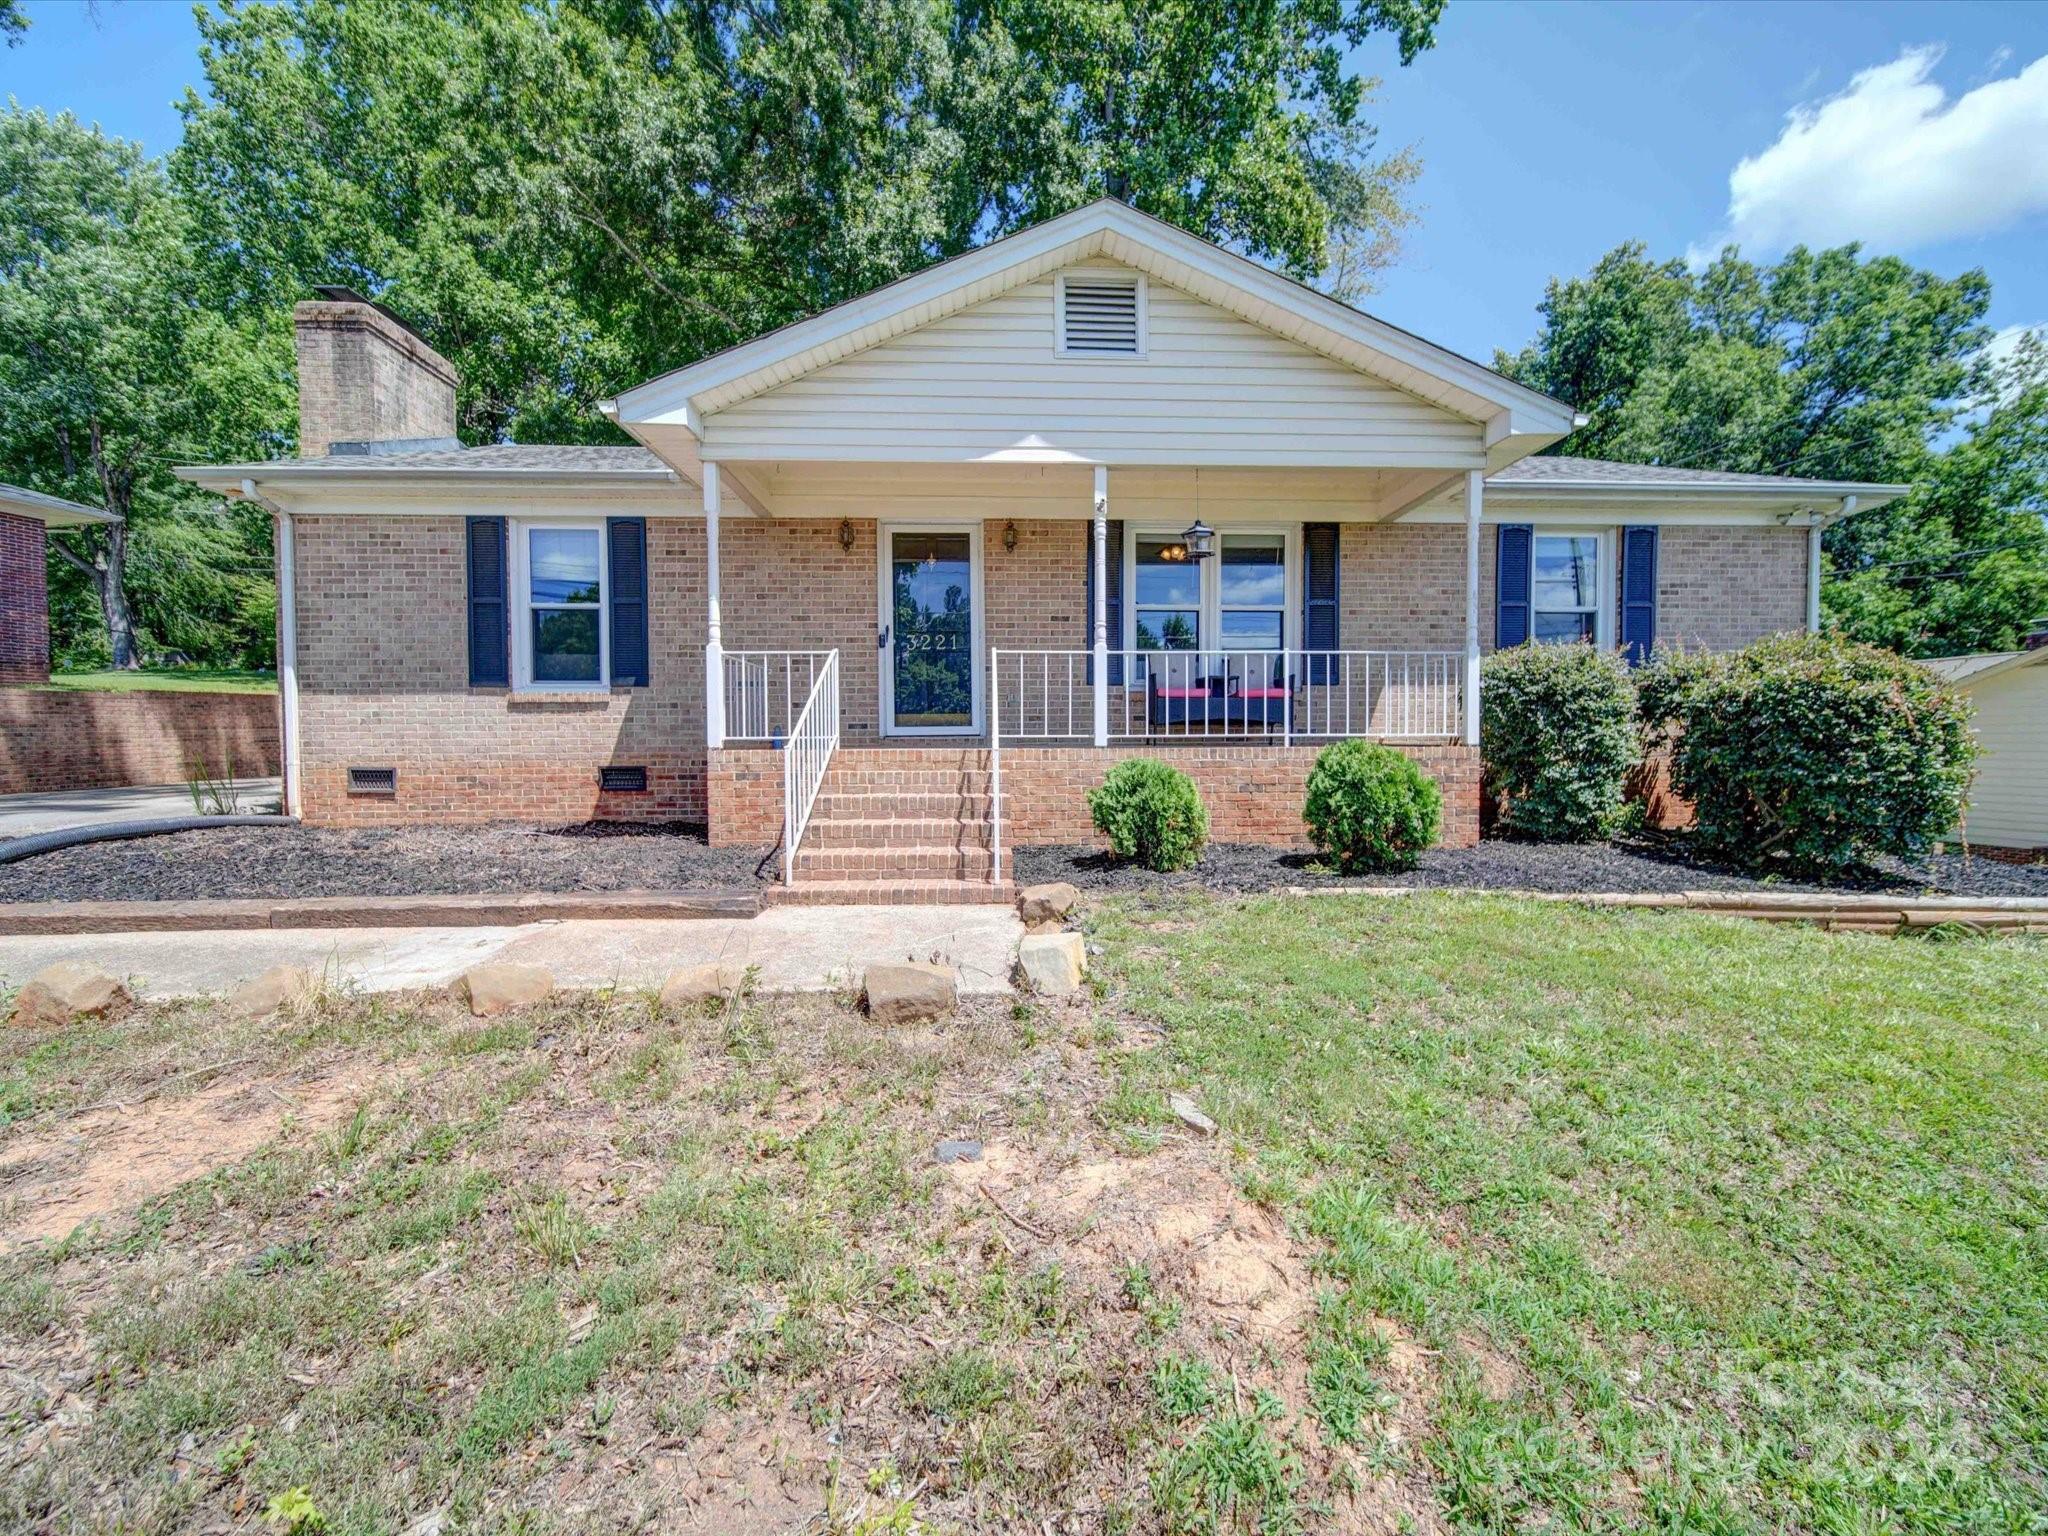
624, 780
373, 781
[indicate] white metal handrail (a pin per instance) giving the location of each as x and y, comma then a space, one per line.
807, 753
1229, 695
766, 690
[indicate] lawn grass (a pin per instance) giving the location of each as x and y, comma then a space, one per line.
1600, 1221
168, 680
1716, 1225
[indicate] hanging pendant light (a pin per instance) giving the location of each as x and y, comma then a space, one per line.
1200, 538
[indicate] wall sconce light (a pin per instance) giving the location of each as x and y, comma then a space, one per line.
1010, 537
846, 535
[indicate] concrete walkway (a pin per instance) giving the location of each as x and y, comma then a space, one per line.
798, 949
21, 815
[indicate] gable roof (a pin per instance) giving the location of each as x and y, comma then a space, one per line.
1558, 470
1111, 229
523, 463
51, 511
1970, 670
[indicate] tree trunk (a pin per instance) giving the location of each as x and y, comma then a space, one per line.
109, 571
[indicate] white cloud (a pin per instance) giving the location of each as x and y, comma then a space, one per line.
1894, 163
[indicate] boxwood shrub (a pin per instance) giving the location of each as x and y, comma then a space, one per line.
1369, 807
1812, 754
1150, 811
1557, 738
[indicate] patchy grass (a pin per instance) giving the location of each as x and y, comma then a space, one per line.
1523, 1217
167, 680
1707, 1225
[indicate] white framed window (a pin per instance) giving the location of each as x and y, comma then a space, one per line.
1099, 315
1570, 576
1243, 598
561, 625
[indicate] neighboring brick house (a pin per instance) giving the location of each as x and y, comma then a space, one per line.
862, 574
24, 578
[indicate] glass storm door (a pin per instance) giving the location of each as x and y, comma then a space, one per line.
930, 632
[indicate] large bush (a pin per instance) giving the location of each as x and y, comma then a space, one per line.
1557, 733
1151, 812
1369, 807
1812, 754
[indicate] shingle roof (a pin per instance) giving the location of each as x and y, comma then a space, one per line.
494, 458
53, 511
1557, 470
1957, 669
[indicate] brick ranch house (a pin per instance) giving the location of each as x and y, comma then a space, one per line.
25, 516
860, 577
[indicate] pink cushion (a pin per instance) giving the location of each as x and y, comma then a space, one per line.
1263, 693
1183, 693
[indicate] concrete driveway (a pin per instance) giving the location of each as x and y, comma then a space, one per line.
21, 815
798, 949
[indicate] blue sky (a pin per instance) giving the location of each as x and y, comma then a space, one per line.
1549, 132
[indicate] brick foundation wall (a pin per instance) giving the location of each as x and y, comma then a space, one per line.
24, 602
54, 739
1254, 794
744, 786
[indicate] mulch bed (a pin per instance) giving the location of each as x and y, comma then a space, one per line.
282, 862
1634, 868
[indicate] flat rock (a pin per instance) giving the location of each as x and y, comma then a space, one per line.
957, 1152
68, 990
1185, 1110
910, 993
698, 984
499, 988
1052, 963
1048, 903
265, 994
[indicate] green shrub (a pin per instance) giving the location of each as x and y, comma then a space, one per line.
1151, 812
1557, 735
1811, 753
1369, 807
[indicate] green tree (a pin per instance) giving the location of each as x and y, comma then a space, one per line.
569, 196
112, 369
1828, 365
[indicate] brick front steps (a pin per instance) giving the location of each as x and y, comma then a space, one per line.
903, 824
42, 917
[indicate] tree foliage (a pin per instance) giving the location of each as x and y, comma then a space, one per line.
1832, 366
113, 367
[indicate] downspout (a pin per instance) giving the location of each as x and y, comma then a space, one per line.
287, 646
1814, 530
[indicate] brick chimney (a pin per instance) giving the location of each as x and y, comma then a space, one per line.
366, 378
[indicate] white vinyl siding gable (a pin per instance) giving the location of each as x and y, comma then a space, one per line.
2009, 802
991, 383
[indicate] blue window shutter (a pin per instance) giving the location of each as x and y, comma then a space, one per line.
490, 630
626, 538
1114, 612
1512, 557
1638, 593
1320, 545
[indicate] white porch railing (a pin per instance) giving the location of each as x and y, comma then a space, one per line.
1267, 696
806, 754
766, 690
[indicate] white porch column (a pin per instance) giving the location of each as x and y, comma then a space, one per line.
1101, 615
1475, 500
714, 647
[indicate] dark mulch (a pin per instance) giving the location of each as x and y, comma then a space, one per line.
272, 862
1650, 867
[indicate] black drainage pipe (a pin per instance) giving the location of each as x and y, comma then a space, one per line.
110, 831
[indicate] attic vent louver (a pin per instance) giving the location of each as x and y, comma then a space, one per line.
1099, 316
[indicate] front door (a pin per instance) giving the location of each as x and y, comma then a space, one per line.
930, 630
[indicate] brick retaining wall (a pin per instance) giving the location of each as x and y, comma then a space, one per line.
53, 739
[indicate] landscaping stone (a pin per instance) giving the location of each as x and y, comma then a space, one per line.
1048, 903
265, 994
1185, 1111
910, 993
68, 990
957, 1152
696, 985
1052, 963
496, 989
